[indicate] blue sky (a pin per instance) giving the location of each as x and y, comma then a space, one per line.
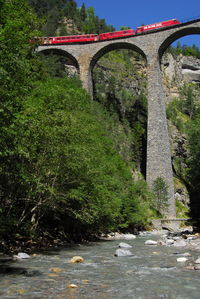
134, 13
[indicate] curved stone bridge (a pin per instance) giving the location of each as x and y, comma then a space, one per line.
151, 45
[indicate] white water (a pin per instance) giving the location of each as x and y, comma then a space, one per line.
151, 273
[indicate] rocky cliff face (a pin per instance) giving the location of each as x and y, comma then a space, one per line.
179, 70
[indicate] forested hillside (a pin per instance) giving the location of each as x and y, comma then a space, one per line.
73, 168
62, 175
63, 17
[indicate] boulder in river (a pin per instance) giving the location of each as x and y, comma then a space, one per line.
182, 259
124, 245
169, 242
197, 261
129, 237
21, 256
76, 259
180, 243
72, 286
151, 242
118, 236
123, 252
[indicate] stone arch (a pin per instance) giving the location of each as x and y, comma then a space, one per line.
173, 37
117, 103
71, 59
114, 46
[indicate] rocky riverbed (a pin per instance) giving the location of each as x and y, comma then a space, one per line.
151, 265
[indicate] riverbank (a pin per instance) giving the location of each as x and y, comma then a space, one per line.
181, 237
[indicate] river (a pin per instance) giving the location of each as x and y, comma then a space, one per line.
152, 272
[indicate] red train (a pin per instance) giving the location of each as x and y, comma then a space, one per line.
68, 39
84, 38
154, 26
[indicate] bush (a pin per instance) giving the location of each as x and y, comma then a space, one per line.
160, 190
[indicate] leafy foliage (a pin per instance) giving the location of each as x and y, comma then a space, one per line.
184, 113
184, 50
120, 86
180, 111
160, 190
194, 134
69, 174
18, 25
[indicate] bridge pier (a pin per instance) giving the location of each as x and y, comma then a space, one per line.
85, 73
158, 148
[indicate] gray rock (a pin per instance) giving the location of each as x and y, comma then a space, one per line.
124, 245
169, 242
197, 261
119, 236
182, 259
22, 256
129, 237
185, 254
123, 252
180, 243
151, 242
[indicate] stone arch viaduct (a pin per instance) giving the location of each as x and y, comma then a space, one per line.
152, 46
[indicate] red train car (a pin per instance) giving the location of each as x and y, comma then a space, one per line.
116, 34
154, 26
75, 39
67, 39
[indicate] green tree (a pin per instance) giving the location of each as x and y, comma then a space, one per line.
69, 166
189, 102
18, 24
124, 27
70, 9
160, 190
83, 13
42, 7
194, 160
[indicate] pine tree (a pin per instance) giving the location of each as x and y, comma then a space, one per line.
83, 13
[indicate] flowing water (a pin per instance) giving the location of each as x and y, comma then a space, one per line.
152, 272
